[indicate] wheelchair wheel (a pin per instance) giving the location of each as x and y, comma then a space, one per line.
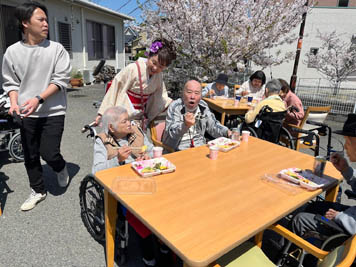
286, 139
91, 197
15, 147
334, 241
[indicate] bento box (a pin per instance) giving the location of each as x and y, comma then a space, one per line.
151, 167
224, 144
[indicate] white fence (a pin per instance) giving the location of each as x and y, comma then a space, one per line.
343, 102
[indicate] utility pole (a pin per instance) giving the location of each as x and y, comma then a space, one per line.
293, 79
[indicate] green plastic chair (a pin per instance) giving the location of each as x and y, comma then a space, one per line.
248, 254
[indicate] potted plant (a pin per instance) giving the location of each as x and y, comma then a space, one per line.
76, 79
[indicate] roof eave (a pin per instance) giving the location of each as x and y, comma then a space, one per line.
97, 8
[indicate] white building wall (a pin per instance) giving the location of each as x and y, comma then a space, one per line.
342, 20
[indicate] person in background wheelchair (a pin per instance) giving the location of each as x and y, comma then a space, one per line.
273, 100
343, 215
296, 114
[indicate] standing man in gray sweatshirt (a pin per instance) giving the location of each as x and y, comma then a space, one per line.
36, 72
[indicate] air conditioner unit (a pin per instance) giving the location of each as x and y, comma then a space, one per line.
87, 77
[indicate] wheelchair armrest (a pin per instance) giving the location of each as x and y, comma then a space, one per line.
350, 194
300, 242
329, 223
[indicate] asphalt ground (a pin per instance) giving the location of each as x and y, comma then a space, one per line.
53, 234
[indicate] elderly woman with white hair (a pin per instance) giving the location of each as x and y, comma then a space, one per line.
119, 142
115, 146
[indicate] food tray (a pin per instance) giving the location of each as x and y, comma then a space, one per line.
297, 176
151, 167
224, 144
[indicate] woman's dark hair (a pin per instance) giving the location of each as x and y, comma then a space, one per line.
24, 12
166, 53
285, 86
259, 75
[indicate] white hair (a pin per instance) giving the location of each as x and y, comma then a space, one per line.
111, 116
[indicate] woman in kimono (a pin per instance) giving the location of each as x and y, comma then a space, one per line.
139, 87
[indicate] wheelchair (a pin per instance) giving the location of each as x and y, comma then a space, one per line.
91, 199
10, 137
268, 126
299, 257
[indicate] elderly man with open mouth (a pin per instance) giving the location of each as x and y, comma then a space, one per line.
188, 118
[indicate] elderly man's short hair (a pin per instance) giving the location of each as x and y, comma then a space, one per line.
274, 86
112, 116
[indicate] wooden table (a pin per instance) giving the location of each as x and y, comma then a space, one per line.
226, 106
208, 207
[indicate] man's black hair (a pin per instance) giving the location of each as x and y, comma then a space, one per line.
25, 11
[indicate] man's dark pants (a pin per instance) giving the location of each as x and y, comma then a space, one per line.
304, 221
42, 137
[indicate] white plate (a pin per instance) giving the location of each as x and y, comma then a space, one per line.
284, 174
300, 179
224, 144
141, 166
310, 185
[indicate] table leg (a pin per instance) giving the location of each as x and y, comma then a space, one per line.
258, 239
223, 118
110, 227
331, 194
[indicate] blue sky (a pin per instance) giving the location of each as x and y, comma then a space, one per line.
129, 7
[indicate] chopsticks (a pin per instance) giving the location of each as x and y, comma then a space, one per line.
141, 148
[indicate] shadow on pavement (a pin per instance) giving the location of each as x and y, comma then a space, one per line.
4, 189
50, 178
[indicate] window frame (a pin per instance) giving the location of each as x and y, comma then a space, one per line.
103, 47
346, 1
70, 51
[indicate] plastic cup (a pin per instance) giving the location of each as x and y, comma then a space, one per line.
249, 99
319, 166
238, 97
157, 151
236, 103
214, 151
235, 135
245, 135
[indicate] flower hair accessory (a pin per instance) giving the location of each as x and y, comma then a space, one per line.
155, 47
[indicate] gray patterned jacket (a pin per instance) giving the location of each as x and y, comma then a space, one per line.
347, 218
175, 127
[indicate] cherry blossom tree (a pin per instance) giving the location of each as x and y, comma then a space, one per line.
335, 59
213, 36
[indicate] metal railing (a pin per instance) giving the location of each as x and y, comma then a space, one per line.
343, 102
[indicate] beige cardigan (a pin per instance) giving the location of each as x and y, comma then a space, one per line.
127, 79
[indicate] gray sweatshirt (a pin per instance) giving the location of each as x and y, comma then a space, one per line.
30, 69
348, 217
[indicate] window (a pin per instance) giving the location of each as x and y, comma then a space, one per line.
8, 23
65, 36
343, 3
313, 51
101, 41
